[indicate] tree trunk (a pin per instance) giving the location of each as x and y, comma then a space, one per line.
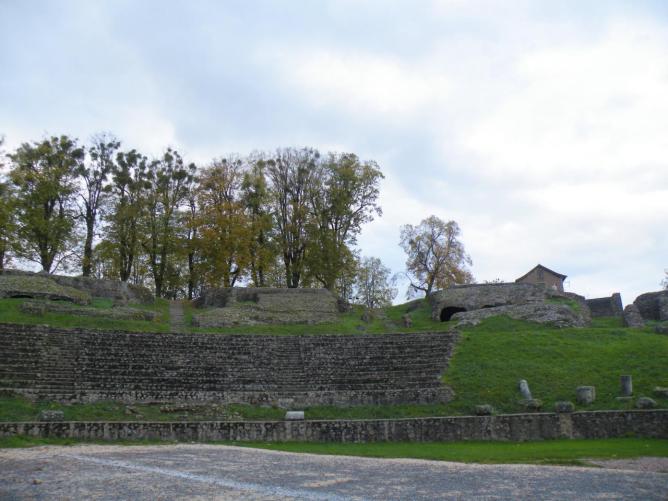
87, 263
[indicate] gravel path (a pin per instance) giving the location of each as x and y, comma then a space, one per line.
176, 323
193, 471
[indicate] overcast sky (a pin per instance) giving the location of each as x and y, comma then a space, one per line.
541, 127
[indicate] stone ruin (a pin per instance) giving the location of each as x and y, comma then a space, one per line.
606, 306
233, 306
653, 305
469, 304
79, 290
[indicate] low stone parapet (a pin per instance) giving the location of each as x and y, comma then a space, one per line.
509, 427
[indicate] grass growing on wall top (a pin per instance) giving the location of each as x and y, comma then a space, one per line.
10, 312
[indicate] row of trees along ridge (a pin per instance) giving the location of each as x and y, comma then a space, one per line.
286, 219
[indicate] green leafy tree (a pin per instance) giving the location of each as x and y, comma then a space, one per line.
665, 281
224, 226
169, 179
128, 190
93, 176
44, 175
346, 199
374, 285
255, 196
436, 256
7, 222
293, 176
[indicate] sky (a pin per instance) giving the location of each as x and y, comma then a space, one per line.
541, 127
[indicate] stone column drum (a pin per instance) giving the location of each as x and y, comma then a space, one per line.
585, 394
626, 383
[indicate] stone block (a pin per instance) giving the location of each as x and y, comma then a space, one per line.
484, 410
626, 384
645, 403
564, 407
651, 305
585, 395
660, 391
661, 328
533, 405
48, 415
294, 416
632, 317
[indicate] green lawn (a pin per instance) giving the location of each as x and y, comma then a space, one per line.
542, 452
490, 359
564, 452
10, 312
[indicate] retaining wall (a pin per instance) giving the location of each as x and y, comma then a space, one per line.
513, 427
606, 306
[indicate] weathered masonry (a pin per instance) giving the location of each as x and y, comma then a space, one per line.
515, 427
86, 366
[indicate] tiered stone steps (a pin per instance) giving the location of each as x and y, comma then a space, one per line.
79, 365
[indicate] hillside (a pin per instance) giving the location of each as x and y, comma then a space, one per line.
489, 360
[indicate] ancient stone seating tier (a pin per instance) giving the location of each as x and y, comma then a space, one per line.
289, 371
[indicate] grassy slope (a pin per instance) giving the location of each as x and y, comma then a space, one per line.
543, 452
564, 452
488, 361
11, 313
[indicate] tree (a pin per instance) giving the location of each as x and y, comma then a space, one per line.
43, 173
374, 287
223, 223
665, 281
293, 177
127, 190
255, 196
93, 175
436, 257
7, 222
169, 179
7, 219
346, 199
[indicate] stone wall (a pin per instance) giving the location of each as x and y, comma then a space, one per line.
606, 306
112, 289
515, 427
234, 306
653, 305
288, 371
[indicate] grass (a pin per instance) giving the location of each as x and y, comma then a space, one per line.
491, 357
562, 452
572, 452
10, 312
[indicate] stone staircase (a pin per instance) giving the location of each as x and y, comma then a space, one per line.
79, 365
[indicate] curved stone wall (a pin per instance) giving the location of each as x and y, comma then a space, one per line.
288, 371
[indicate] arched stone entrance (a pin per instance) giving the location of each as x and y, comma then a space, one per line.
448, 311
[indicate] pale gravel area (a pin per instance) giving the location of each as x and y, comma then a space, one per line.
655, 464
197, 471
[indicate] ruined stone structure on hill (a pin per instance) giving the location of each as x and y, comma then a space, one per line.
606, 306
234, 306
120, 292
288, 371
468, 304
653, 305
540, 275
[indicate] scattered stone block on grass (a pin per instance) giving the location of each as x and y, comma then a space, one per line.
645, 403
564, 407
51, 416
533, 405
626, 383
661, 391
294, 416
632, 317
661, 328
585, 395
484, 410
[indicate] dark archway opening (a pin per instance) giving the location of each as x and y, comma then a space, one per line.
448, 311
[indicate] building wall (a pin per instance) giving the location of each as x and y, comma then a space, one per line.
606, 306
539, 276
